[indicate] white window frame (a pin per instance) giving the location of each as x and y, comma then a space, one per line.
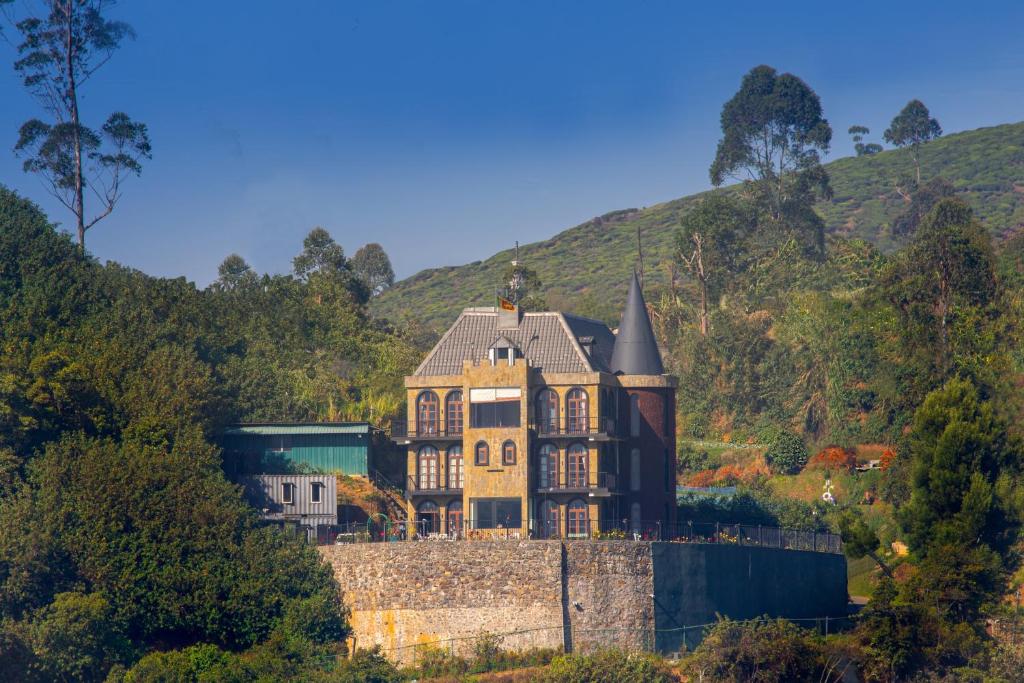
288, 493
316, 495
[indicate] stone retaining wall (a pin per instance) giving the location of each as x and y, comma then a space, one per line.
574, 595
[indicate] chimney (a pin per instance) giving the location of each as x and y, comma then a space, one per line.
509, 315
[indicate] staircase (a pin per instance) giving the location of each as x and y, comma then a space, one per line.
394, 496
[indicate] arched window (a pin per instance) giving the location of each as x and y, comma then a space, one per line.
453, 413
549, 520
547, 467
634, 415
577, 411
426, 468
426, 413
547, 412
481, 454
508, 453
428, 518
577, 518
635, 517
456, 474
577, 459
455, 518
634, 469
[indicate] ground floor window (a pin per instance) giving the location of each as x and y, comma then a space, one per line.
577, 520
549, 518
455, 517
428, 518
497, 513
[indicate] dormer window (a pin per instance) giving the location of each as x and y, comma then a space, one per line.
502, 351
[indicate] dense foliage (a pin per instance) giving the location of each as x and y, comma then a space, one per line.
121, 535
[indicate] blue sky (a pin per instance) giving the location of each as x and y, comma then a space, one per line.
446, 130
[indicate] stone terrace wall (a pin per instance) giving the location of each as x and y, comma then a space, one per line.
406, 594
610, 587
576, 595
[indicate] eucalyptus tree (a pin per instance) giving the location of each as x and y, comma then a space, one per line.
63, 44
372, 265
911, 128
773, 136
863, 148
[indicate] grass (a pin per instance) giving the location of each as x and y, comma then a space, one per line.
986, 166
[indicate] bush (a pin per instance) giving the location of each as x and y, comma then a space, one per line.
611, 666
787, 454
760, 650
834, 458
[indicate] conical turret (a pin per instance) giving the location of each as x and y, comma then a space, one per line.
636, 351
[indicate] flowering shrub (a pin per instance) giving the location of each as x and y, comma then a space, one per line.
834, 458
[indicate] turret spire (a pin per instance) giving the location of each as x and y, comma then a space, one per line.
636, 351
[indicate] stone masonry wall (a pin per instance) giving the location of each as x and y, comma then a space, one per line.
402, 595
575, 594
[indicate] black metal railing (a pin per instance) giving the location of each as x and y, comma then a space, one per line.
584, 529
431, 485
566, 426
579, 481
404, 429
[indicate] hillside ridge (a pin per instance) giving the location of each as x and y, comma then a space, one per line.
986, 165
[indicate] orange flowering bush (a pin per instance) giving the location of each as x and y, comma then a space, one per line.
834, 458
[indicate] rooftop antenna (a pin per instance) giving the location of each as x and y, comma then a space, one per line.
515, 285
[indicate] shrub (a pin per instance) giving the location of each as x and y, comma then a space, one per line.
759, 650
611, 666
787, 454
834, 458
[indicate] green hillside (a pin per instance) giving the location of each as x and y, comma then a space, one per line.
985, 165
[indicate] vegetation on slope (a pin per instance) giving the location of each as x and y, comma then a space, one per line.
986, 166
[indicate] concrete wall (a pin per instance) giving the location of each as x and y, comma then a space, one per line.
575, 595
693, 583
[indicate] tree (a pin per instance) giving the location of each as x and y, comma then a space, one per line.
709, 243
372, 265
234, 274
912, 127
320, 254
922, 201
774, 132
62, 47
787, 454
860, 540
862, 148
960, 451
943, 282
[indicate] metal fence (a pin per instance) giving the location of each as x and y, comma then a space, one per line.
380, 531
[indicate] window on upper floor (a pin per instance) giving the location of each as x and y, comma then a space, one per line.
427, 406
481, 454
453, 412
316, 490
508, 453
634, 415
634, 470
288, 493
498, 407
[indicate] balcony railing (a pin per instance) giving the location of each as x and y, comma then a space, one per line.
403, 429
579, 482
566, 426
430, 486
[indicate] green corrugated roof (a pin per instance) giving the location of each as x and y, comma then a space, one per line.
272, 429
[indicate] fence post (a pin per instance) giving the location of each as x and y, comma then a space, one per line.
760, 540
718, 534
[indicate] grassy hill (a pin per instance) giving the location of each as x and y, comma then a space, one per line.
985, 165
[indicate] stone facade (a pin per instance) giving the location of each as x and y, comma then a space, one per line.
574, 595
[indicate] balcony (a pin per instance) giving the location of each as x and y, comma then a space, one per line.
597, 484
593, 429
403, 431
430, 487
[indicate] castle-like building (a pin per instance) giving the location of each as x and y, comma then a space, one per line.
541, 425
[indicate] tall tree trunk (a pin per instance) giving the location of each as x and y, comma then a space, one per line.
72, 95
703, 308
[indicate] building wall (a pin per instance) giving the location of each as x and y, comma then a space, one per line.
327, 453
575, 595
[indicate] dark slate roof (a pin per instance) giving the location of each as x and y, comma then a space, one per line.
548, 340
636, 350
